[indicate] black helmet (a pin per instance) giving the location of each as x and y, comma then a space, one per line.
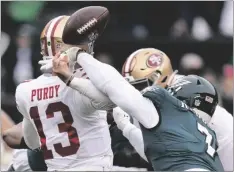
196, 92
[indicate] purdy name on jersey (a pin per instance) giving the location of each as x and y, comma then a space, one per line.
45, 93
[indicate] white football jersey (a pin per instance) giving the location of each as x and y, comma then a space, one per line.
20, 160
73, 133
222, 123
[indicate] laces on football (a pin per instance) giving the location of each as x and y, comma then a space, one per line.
87, 26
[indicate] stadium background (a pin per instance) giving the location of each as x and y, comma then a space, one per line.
197, 36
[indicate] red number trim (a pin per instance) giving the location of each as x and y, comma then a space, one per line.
63, 127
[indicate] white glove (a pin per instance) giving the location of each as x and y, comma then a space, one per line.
121, 118
72, 53
46, 66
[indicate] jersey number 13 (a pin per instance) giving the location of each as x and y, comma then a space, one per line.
63, 127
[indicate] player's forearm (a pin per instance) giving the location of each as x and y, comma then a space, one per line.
13, 137
134, 135
6, 121
99, 73
14, 141
86, 88
108, 80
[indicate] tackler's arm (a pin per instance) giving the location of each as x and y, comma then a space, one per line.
130, 131
108, 80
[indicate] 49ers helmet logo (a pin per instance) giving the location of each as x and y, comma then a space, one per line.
154, 60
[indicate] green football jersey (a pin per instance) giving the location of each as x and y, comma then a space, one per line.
181, 140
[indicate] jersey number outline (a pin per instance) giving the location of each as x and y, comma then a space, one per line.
209, 138
63, 127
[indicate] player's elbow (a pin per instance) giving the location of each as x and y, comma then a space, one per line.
148, 119
11, 140
5, 135
150, 116
152, 122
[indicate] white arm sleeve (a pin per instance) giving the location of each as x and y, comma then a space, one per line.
134, 135
108, 80
98, 100
130, 131
30, 134
222, 123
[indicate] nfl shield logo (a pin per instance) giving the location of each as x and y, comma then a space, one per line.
197, 102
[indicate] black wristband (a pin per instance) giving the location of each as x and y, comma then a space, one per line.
69, 80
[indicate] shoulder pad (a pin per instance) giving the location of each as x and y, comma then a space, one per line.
149, 89
23, 85
155, 94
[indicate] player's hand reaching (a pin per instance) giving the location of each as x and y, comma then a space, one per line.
61, 68
72, 53
62, 63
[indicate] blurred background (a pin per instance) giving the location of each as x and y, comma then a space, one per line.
197, 36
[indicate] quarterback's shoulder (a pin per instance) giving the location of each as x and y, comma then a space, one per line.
24, 84
23, 87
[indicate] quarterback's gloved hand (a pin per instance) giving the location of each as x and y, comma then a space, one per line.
121, 118
72, 53
46, 66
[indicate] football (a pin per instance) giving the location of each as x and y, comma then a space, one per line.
83, 22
